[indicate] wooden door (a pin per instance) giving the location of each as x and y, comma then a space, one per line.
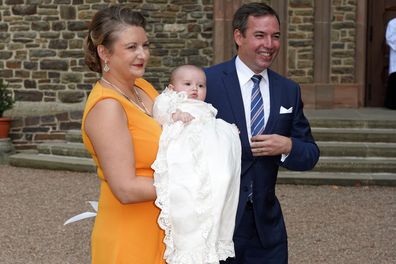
379, 14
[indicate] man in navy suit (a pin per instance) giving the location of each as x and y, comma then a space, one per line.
284, 140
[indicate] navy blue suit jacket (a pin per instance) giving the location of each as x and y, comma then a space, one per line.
224, 93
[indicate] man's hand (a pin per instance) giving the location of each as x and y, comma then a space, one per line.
182, 116
270, 145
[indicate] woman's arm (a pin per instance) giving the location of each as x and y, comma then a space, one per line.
106, 126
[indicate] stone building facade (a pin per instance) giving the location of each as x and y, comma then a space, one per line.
323, 48
42, 60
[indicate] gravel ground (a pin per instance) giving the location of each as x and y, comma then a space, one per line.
326, 224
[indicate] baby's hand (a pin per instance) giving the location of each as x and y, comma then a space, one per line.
182, 116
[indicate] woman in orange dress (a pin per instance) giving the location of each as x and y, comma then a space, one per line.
122, 137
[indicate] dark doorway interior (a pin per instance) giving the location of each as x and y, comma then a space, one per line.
379, 13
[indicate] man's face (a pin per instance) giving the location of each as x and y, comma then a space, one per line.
260, 45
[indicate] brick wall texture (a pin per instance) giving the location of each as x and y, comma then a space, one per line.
41, 55
343, 32
300, 37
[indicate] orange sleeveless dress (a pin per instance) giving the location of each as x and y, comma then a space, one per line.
127, 234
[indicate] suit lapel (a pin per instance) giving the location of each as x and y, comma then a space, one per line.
234, 96
275, 97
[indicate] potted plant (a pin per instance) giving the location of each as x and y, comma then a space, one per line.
6, 102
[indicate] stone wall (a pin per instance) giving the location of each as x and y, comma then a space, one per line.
28, 131
181, 33
300, 41
343, 46
301, 44
42, 59
41, 52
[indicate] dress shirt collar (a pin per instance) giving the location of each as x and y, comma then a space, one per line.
245, 73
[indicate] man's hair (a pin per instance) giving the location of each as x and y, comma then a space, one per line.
252, 9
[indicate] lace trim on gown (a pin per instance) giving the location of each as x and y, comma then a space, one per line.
211, 253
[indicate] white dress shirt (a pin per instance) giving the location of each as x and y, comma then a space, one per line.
391, 41
244, 76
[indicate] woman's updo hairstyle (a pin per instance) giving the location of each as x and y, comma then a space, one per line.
103, 29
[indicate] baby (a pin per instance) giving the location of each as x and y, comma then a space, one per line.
197, 172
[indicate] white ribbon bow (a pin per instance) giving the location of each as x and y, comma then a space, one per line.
84, 215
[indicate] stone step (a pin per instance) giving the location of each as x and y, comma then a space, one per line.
336, 178
356, 164
345, 133
52, 162
73, 149
357, 149
354, 134
365, 117
351, 123
329, 133
74, 136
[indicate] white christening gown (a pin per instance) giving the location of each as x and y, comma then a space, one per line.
197, 177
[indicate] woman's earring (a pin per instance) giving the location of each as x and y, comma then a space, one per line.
106, 67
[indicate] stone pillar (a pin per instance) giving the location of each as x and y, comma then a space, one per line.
224, 46
322, 35
322, 28
360, 55
280, 64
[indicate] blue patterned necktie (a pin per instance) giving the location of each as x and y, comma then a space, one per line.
256, 117
256, 108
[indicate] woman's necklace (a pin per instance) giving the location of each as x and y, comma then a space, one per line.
143, 107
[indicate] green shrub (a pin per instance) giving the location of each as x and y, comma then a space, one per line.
6, 100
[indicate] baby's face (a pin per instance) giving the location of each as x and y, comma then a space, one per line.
191, 81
